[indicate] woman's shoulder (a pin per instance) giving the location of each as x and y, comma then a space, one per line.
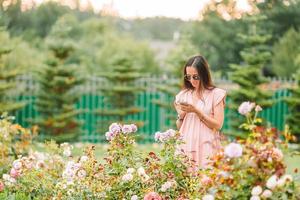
218, 95
217, 90
183, 94
183, 91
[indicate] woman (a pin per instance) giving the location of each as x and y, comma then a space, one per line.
200, 106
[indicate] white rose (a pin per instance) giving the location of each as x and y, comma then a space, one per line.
134, 197
67, 152
141, 171
255, 198
287, 178
208, 197
272, 182
17, 164
280, 182
83, 159
171, 132
145, 177
81, 173
166, 186
127, 177
130, 170
267, 194
256, 191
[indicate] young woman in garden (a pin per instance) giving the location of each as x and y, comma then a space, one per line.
200, 107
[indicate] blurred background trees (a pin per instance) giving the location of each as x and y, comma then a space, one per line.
249, 74
8, 73
120, 92
57, 80
157, 45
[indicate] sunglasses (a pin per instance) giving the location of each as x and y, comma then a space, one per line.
189, 77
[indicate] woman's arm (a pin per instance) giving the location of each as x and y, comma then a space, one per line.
180, 116
213, 122
216, 121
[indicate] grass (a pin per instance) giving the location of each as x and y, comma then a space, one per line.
293, 163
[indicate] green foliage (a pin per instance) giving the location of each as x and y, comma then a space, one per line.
293, 119
56, 98
7, 74
32, 23
215, 39
156, 28
121, 90
285, 54
45, 16
282, 16
139, 53
216, 33
248, 75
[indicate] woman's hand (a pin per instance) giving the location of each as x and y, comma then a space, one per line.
188, 108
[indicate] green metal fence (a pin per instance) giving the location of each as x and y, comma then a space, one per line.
153, 116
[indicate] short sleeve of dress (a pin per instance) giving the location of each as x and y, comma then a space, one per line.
181, 96
177, 97
219, 96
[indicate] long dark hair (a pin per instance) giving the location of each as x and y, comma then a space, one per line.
201, 65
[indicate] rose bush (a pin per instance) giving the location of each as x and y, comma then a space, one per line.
251, 168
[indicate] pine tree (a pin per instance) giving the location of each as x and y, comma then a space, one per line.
7, 75
285, 53
293, 118
120, 93
248, 75
171, 86
57, 97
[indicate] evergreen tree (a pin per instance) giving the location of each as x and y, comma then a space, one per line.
120, 92
170, 87
248, 75
293, 118
7, 74
285, 53
57, 97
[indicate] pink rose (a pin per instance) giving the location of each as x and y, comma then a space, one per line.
1, 186
233, 150
246, 107
258, 108
205, 180
109, 135
157, 136
277, 153
134, 128
14, 173
127, 129
115, 128
152, 196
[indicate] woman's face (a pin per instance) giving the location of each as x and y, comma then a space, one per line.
192, 76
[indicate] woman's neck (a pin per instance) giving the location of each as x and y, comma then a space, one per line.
199, 92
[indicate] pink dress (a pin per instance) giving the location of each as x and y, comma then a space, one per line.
200, 142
